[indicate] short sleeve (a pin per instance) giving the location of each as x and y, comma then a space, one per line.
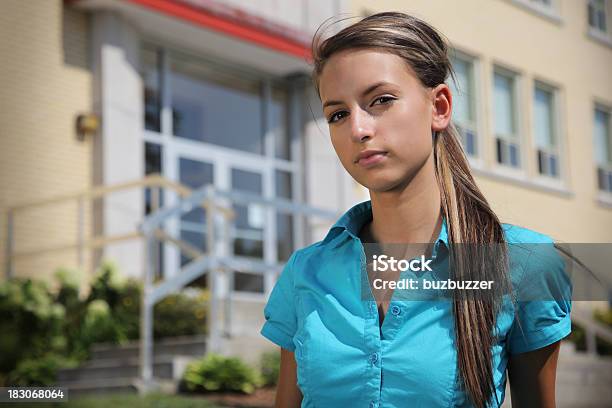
280, 310
543, 302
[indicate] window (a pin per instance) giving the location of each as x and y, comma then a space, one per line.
545, 8
603, 148
150, 73
505, 119
597, 15
464, 112
207, 100
209, 121
545, 3
545, 130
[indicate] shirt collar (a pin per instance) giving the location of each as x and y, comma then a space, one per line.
353, 220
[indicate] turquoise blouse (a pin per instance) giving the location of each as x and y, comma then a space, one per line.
344, 358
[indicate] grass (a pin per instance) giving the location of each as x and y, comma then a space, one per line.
124, 400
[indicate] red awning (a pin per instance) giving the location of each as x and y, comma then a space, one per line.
233, 22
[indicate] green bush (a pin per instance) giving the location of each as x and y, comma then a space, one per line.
49, 326
30, 322
270, 367
219, 373
179, 315
38, 371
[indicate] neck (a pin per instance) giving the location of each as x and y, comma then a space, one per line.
411, 213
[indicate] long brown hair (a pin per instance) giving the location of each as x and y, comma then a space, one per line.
470, 219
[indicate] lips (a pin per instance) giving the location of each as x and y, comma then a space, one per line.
370, 157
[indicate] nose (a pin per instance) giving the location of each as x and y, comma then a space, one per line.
362, 125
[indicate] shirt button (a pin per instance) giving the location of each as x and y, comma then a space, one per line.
373, 358
373, 404
396, 310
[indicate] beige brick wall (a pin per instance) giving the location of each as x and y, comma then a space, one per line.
45, 81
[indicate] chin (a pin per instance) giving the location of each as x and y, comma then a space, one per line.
380, 184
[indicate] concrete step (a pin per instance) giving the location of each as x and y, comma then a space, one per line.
115, 368
105, 386
114, 386
186, 345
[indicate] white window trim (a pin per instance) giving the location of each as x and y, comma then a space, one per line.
602, 197
497, 168
602, 37
476, 161
552, 13
561, 180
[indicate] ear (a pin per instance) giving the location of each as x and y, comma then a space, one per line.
441, 107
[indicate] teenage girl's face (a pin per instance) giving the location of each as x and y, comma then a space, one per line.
373, 102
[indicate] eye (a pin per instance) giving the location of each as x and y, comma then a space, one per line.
385, 99
331, 118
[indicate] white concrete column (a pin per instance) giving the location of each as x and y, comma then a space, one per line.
119, 151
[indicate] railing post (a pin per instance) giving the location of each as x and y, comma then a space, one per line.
214, 340
591, 341
229, 275
155, 204
9, 243
146, 326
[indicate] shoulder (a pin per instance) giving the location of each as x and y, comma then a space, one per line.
534, 259
515, 234
314, 251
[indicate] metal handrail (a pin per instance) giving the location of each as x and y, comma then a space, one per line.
83, 197
214, 262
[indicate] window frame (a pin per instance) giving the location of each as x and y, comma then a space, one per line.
604, 195
293, 165
595, 33
556, 130
506, 168
476, 125
551, 12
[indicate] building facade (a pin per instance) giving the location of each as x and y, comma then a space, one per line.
207, 92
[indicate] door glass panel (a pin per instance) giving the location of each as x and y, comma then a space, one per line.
215, 105
250, 217
279, 122
250, 220
248, 282
194, 174
154, 197
284, 221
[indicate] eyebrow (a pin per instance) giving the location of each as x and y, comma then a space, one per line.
364, 93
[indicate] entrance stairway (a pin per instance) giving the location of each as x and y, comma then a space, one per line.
115, 368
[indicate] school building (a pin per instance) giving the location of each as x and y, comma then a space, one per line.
112, 109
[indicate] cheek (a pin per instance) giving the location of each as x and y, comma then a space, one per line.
408, 130
341, 147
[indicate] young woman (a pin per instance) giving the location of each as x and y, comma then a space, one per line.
382, 85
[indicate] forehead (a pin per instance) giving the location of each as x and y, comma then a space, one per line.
349, 71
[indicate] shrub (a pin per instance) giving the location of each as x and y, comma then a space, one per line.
32, 320
38, 371
219, 373
45, 326
270, 367
179, 315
